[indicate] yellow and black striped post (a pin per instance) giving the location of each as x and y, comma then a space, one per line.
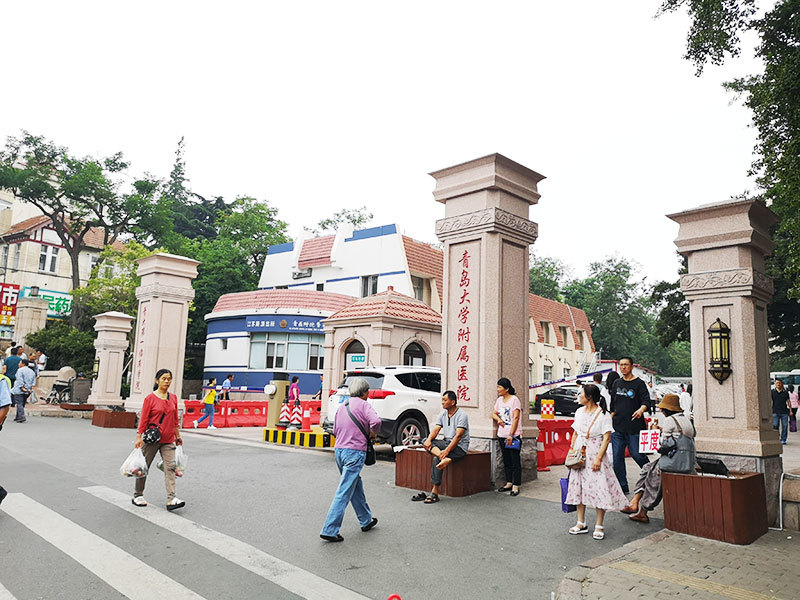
315, 439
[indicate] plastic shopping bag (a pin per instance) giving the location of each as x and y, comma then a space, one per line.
567, 508
180, 462
135, 465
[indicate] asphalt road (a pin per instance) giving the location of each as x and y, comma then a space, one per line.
250, 528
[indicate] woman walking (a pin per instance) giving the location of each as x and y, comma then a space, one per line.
507, 414
160, 410
208, 405
595, 484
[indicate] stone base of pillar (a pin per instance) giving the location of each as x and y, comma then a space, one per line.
770, 466
529, 457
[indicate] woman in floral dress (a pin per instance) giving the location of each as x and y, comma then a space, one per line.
595, 484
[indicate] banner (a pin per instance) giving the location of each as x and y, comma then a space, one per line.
9, 294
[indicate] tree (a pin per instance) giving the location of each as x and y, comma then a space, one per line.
65, 345
546, 276
357, 217
672, 318
253, 227
76, 194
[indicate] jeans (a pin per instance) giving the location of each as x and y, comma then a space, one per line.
512, 463
620, 441
455, 454
350, 491
19, 401
208, 413
784, 421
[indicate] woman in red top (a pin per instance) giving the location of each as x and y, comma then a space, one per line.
160, 408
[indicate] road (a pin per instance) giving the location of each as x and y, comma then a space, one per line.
251, 524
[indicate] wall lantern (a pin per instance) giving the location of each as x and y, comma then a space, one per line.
719, 337
34, 291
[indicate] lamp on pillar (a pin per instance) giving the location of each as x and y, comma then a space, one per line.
34, 291
719, 337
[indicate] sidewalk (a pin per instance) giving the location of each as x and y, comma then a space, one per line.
674, 565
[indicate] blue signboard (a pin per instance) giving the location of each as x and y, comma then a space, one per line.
295, 323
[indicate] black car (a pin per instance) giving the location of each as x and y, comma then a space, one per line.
565, 397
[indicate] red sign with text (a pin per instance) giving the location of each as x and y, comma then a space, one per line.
9, 294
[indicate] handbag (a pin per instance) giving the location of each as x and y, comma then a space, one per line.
370, 459
680, 453
576, 457
152, 434
566, 508
516, 443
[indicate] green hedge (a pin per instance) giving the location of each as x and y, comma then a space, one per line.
64, 346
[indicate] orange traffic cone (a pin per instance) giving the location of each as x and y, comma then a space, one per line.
286, 416
306, 421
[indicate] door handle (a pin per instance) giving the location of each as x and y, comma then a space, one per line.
422, 399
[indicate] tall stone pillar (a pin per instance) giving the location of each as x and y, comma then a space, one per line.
112, 340
486, 233
31, 316
161, 323
725, 244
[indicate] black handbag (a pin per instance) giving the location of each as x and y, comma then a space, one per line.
152, 434
370, 460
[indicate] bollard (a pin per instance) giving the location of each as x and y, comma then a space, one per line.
548, 409
286, 415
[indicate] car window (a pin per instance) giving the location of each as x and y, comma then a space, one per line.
429, 381
375, 380
407, 379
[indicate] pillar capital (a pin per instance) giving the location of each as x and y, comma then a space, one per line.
491, 220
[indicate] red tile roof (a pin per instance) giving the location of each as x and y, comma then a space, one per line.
423, 259
27, 225
304, 299
93, 239
316, 252
389, 304
557, 313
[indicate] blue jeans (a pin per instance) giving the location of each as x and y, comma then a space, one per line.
19, 400
784, 421
620, 441
351, 491
208, 413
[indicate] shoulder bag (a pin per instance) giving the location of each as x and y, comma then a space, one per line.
370, 460
152, 434
677, 454
576, 457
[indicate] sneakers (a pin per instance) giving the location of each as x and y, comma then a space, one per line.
194, 424
138, 501
175, 504
211, 427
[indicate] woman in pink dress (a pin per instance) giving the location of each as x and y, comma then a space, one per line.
595, 484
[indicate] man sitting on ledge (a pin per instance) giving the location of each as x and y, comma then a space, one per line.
454, 424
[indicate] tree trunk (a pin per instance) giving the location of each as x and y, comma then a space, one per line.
74, 255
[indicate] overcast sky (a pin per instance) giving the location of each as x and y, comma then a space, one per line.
319, 106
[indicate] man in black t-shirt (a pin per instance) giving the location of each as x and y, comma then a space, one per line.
781, 408
629, 401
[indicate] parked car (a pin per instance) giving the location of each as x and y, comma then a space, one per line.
565, 397
407, 399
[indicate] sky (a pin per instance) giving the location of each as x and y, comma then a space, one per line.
319, 106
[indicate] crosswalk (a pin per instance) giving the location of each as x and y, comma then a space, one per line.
135, 579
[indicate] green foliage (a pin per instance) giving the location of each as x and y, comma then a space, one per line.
65, 345
253, 227
546, 276
358, 217
672, 318
785, 363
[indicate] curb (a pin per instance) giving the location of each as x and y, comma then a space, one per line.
58, 413
571, 586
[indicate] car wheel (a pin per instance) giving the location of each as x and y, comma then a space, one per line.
410, 432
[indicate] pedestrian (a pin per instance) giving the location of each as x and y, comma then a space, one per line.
597, 379
5, 396
226, 387
12, 363
794, 402
610, 379
10, 349
294, 390
780, 409
651, 390
507, 413
629, 401
22, 388
454, 425
595, 484
350, 452
686, 402
208, 405
647, 493
160, 409
41, 360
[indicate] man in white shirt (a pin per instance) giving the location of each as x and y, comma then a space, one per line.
686, 402
597, 378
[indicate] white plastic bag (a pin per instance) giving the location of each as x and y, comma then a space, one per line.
180, 462
135, 465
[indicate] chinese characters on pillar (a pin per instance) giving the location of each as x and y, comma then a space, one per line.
464, 321
140, 346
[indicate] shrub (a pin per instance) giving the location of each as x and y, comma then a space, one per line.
64, 345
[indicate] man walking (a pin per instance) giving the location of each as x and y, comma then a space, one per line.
226, 387
23, 386
454, 424
355, 418
780, 409
629, 401
12, 363
597, 378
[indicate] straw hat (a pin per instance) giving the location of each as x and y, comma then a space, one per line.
670, 402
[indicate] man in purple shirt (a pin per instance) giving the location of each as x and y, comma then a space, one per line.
351, 451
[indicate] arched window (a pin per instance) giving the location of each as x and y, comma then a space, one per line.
414, 355
355, 356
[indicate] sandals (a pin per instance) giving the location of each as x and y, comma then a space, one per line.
138, 501
433, 498
419, 497
578, 528
599, 533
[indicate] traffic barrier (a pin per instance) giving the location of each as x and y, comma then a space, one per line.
541, 456
316, 439
297, 416
315, 406
556, 436
244, 413
548, 409
286, 415
194, 411
306, 421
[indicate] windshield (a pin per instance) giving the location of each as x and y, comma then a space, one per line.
375, 380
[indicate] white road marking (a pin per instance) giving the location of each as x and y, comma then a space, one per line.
291, 578
5, 594
122, 571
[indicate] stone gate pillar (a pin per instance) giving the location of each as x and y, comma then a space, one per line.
31, 316
161, 322
112, 340
486, 233
725, 244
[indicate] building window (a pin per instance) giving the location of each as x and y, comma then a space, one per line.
579, 343
530, 373
564, 331
566, 372
355, 356
418, 283
281, 287
546, 331
369, 285
5, 256
316, 357
93, 260
414, 355
292, 351
17, 253
224, 343
548, 372
48, 258
320, 287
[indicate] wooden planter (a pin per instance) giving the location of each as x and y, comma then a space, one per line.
730, 509
469, 475
114, 419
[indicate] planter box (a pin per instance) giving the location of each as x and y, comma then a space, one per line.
469, 475
114, 419
730, 509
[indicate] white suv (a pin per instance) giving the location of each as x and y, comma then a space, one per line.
406, 399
